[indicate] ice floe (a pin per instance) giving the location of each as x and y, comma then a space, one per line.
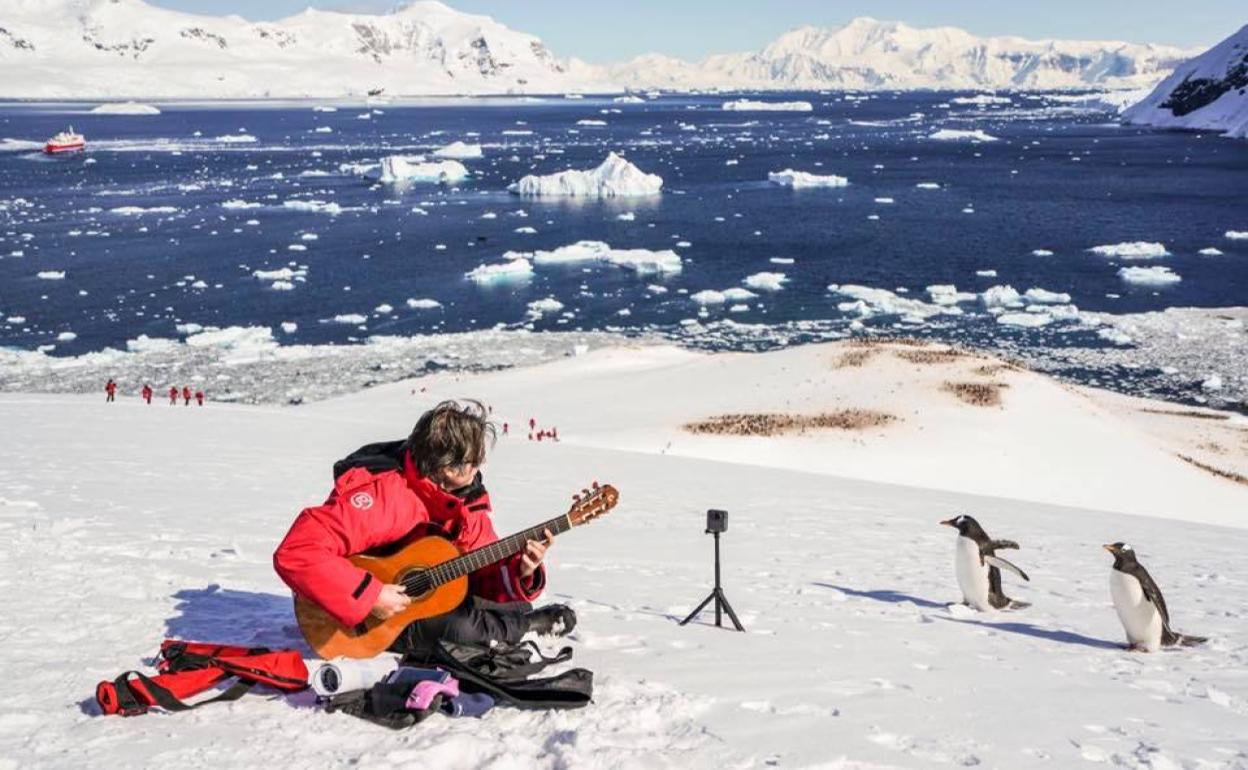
124, 108
641, 261
615, 177
1132, 250
750, 105
1236, 235
766, 281
400, 168
504, 272
1153, 276
799, 179
458, 151
961, 135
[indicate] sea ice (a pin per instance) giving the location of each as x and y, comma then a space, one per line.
749, 105
125, 108
1236, 235
1155, 276
1131, 250
960, 135
314, 206
1024, 319
505, 272
1044, 296
800, 179
458, 151
423, 304
1001, 296
614, 177
766, 281
51, 275
399, 168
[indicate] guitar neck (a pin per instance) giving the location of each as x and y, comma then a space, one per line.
496, 551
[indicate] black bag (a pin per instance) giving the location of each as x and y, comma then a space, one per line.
503, 672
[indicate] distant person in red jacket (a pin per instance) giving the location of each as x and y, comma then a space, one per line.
186, 395
147, 393
429, 483
199, 397
110, 388
173, 395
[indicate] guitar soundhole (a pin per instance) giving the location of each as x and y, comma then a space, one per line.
417, 581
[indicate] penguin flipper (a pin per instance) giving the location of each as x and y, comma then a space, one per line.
1001, 544
997, 561
1153, 594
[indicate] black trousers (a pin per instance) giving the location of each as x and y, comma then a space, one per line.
476, 621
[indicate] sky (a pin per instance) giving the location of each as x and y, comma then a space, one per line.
690, 29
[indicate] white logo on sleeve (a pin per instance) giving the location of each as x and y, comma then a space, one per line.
362, 500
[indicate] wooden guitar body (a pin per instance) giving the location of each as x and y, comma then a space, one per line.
372, 637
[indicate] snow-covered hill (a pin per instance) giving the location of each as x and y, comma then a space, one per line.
113, 48
871, 54
1209, 92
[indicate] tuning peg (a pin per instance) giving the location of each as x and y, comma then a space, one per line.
576, 498
595, 485
585, 492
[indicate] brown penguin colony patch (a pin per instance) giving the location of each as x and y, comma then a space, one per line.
855, 358
1238, 478
778, 424
976, 393
1188, 413
875, 342
929, 356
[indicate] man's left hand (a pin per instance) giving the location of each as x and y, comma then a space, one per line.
534, 552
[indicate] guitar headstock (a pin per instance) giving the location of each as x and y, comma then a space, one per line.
592, 503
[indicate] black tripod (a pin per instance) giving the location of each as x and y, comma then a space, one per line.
717, 595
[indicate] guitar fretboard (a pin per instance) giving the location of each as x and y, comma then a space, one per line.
494, 552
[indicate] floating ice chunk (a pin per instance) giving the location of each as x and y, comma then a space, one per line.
189, 328
235, 338
885, 200
540, 307
51, 275
948, 295
505, 272
1237, 235
1024, 319
282, 286
1131, 250
458, 151
737, 294
708, 297
383, 309
124, 108
749, 105
423, 304
314, 206
131, 211
526, 230
1212, 383
400, 168
296, 247
928, 186
781, 260
628, 99
354, 319
766, 281
1041, 253
981, 99
961, 135
1044, 296
1001, 296
289, 327
1114, 335
322, 130
870, 302
1210, 252
627, 216
66, 337
1153, 276
800, 179
591, 122
642, 261
614, 177
280, 274
240, 204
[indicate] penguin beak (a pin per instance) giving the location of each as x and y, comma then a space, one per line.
948, 523
1109, 547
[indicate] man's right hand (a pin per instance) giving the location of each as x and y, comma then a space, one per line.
392, 600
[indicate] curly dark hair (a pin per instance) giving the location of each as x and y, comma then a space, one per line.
452, 433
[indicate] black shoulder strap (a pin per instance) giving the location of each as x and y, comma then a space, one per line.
130, 705
375, 458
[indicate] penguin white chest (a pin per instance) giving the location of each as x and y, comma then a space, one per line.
972, 574
1140, 619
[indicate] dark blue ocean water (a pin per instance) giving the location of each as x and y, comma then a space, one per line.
1058, 179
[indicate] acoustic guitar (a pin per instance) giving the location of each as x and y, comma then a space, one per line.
435, 576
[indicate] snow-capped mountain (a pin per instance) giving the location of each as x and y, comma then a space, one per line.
1209, 92
106, 48
871, 54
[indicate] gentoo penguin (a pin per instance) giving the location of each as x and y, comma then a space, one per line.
1140, 605
979, 568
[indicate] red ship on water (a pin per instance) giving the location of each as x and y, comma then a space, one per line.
66, 141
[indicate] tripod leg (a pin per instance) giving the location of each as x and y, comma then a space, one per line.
701, 606
720, 599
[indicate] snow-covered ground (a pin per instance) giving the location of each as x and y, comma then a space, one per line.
1205, 93
124, 523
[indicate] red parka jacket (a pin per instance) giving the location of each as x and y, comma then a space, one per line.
378, 499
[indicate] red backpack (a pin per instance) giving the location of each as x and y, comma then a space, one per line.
189, 668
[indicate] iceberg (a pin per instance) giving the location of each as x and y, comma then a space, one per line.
506, 272
1149, 276
458, 151
799, 179
124, 108
960, 135
748, 105
766, 281
615, 177
399, 168
640, 261
1131, 250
